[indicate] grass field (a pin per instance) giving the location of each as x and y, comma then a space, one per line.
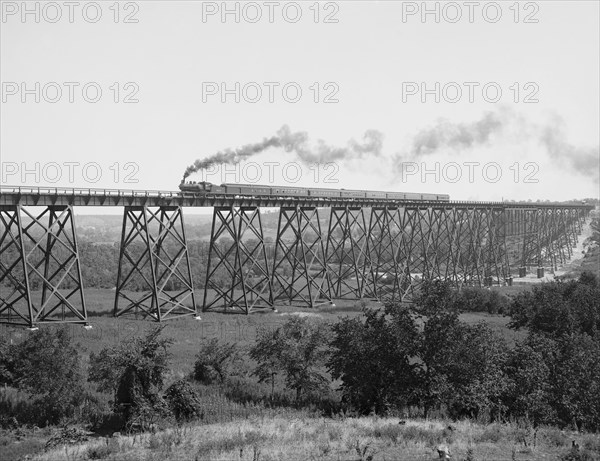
296, 436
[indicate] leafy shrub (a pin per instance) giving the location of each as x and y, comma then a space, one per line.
372, 358
473, 299
576, 381
215, 361
528, 393
46, 368
134, 371
558, 308
298, 349
184, 401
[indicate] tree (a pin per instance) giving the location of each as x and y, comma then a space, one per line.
457, 364
436, 297
372, 358
47, 366
134, 371
7, 363
529, 370
576, 384
298, 349
267, 356
214, 361
558, 308
475, 371
419, 354
436, 309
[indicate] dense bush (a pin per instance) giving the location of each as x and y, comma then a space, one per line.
372, 359
528, 370
183, 400
424, 355
298, 349
419, 355
134, 372
215, 361
559, 308
475, 372
46, 367
473, 299
576, 381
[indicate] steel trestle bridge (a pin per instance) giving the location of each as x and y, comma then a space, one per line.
372, 248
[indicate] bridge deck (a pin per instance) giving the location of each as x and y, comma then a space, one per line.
60, 196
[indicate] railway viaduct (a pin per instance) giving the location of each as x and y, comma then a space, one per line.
371, 248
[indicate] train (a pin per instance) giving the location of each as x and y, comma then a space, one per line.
255, 190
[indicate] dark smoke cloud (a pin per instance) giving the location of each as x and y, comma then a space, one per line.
297, 143
450, 137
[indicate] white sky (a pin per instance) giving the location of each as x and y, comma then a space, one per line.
368, 54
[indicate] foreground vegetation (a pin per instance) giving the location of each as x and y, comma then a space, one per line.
386, 383
294, 435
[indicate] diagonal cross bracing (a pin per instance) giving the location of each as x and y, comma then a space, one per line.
154, 277
300, 275
40, 271
346, 252
237, 277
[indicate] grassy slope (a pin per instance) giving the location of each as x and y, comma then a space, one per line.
293, 436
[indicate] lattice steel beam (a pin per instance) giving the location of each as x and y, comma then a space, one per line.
154, 276
300, 274
385, 281
39, 255
346, 252
238, 270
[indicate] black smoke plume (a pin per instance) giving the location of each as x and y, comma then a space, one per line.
297, 143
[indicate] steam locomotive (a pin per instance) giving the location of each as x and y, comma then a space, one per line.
253, 190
